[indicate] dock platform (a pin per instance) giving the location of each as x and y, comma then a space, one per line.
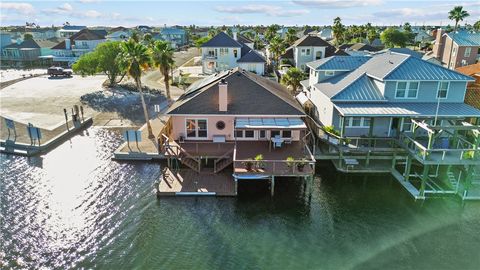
186, 182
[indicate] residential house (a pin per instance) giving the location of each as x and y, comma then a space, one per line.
21, 53
144, 28
118, 35
380, 95
175, 36
359, 49
232, 117
69, 30
68, 51
223, 52
307, 49
466, 46
423, 37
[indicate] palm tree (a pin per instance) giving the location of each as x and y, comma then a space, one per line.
277, 47
292, 78
137, 59
162, 56
338, 30
457, 14
291, 36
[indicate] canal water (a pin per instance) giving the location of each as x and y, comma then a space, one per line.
75, 208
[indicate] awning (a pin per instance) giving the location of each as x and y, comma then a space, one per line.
414, 109
269, 123
302, 98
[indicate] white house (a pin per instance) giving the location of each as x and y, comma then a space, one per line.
223, 52
307, 49
68, 51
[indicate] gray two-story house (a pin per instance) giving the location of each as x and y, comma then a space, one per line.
223, 52
378, 96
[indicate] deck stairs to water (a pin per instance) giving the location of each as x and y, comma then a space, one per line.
184, 157
452, 179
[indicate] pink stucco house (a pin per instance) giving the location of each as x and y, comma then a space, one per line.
466, 46
239, 121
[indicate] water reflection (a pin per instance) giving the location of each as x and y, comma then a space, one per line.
75, 208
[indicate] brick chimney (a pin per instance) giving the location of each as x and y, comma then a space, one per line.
439, 46
223, 96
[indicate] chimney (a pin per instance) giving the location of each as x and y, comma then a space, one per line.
438, 46
223, 96
68, 44
234, 34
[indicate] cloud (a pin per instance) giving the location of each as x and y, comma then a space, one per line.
88, 1
92, 14
269, 10
65, 7
337, 4
21, 8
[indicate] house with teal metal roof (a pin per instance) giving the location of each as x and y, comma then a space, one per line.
396, 113
176, 36
379, 95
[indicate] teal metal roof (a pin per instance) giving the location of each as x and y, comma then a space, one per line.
465, 38
412, 109
417, 69
339, 63
363, 89
172, 31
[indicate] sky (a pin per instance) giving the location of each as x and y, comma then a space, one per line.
206, 13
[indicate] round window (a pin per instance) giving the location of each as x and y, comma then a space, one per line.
220, 125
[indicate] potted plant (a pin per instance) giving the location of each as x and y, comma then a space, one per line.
248, 164
259, 161
290, 162
301, 164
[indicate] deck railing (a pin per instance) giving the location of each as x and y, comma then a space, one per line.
276, 167
460, 153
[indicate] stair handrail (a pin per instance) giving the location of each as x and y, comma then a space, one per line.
223, 156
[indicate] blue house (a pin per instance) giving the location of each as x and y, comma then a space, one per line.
380, 95
177, 37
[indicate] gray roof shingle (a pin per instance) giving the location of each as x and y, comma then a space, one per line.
248, 94
252, 57
222, 40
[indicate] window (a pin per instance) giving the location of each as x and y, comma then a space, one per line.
211, 53
468, 51
407, 124
286, 133
303, 52
223, 51
454, 52
329, 73
196, 128
238, 133
318, 55
308, 52
235, 53
249, 134
274, 133
262, 134
359, 122
443, 89
220, 125
407, 89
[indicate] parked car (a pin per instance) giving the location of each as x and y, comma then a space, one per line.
59, 71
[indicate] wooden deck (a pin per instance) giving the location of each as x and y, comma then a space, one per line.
188, 182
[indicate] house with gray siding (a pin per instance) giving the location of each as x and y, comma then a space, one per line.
379, 95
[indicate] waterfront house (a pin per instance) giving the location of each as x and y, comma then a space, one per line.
223, 52
396, 113
68, 51
233, 117
24, 53
309, 48
466, 46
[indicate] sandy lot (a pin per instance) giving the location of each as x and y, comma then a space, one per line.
12, 74
41, 100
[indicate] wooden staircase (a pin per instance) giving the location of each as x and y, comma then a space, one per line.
224, 161
184, 157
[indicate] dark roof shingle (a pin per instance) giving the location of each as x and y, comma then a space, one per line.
222, 40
